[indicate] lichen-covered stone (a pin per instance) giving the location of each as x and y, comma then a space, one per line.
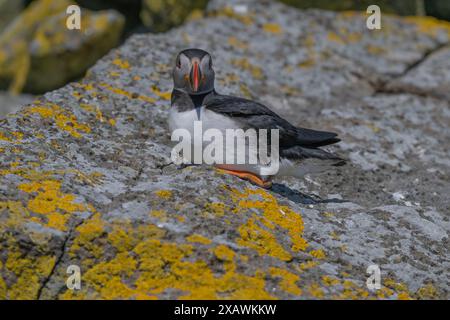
161, 15
38, 53
86, 177
402, 7
10, 102
428, 78
8, 10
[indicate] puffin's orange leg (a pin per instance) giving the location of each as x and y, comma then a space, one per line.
248, 176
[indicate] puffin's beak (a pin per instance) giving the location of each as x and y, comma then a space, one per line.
195, 76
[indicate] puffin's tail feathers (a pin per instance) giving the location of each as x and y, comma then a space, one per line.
298, 161
314, 138
301, 153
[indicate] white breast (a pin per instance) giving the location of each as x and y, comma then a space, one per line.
210, 120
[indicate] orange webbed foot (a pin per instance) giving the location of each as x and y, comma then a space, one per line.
266, 184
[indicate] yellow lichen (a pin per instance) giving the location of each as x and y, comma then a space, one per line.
272, 28
307, 265
217, 208
51, 202
87, 232
197, 238
235, 42
64, 119
330, 281
429, 25
265, 243
163, 95
224, 253
127, 94
229, 12
315, 291
427, 292
288, 280
257, 234
244, 64
319, 254
160, 214
123, 64
164, 194
145, 266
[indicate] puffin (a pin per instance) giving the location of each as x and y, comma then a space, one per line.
194, 98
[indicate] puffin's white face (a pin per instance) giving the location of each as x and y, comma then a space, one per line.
193, 72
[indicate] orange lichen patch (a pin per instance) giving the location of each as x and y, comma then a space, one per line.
243, 63
427, 292
16, 135
216, 208
334, 37
164, 194
352, 291
160, 214
375, 50
3, 137
319, 254
87, 232
93, 109
197, 238
288, 280
229, 12
315, 291
307, 265
429, 25
50, 201
236, 43
64, 119
145, 266
272, 28
308, 63
257, 234
123, 64
163, 95
391, 286
127, 94
404, 296
29, 274
330, 281
29, 271
265, 243
224, 253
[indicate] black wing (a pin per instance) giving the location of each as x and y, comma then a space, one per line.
255, 115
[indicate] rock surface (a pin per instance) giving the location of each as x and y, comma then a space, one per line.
8, 10
161, 15
11, 103
86, 177
38, 53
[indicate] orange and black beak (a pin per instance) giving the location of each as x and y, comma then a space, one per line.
195, 76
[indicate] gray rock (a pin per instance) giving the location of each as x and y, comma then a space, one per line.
91, 161
11, 103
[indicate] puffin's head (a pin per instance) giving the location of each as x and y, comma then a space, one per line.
193, 72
